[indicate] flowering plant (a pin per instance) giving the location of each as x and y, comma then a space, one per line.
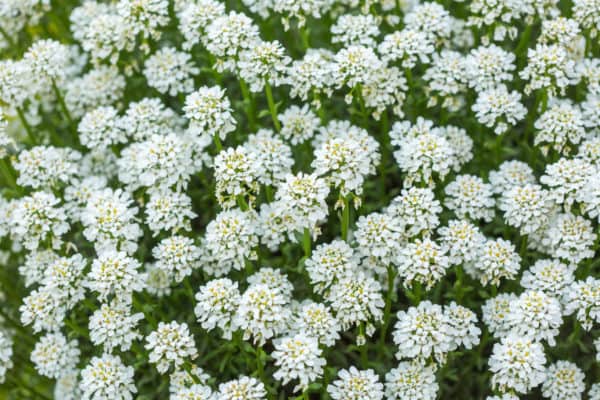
286, 199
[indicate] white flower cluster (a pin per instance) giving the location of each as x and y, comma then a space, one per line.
263, 199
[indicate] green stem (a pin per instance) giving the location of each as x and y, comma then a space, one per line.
26, 125
361, 104
306, 243
8, 174
388, 304
363, 347
65, 110
11, 42
269, 193
272, 107
249, 101
345, 218
259, 363
218, 144
241, 202
188, 368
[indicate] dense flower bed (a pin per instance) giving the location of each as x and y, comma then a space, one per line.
283, 199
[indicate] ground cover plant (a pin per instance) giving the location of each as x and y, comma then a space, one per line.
283, 199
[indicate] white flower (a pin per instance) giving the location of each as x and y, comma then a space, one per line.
236, 171
353, 384
164, 160
354, 65
6, 352
549, 276
586, 13
495, 313
423, 262
263, 62
38, 220
358, 29
46, 166
489, 66
347, 160
170, 344
145, 17
517, 363
431, 18
422, 332
549, 67
411, 380
216, 304
298, 357
101, 86
462, 324
498, 108
357, 300
463, 241
378, 236
275, 156
589, 197
316, 320
469, 196
509, 174
170, 71
148, 117
561, 30
262, 313
535, 315
113, 325
230, 240
446, 78
53, 355
194, 392
169, 210
177, 256
527, 207
47, 58
416, 210
100, 128
570, 237
67, 386
498, 259
181, 379
273, 278
44, 310
35, 265
560, 127
304, 197
107, 378
245, 388
298, 124
330, 263
194, 17
421, 153
64, 277
158, 282
109, 221
209, 112
583, 298
564, 380
567, 178
114, 273
312, 74
227, 36
594, 393
406, 47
